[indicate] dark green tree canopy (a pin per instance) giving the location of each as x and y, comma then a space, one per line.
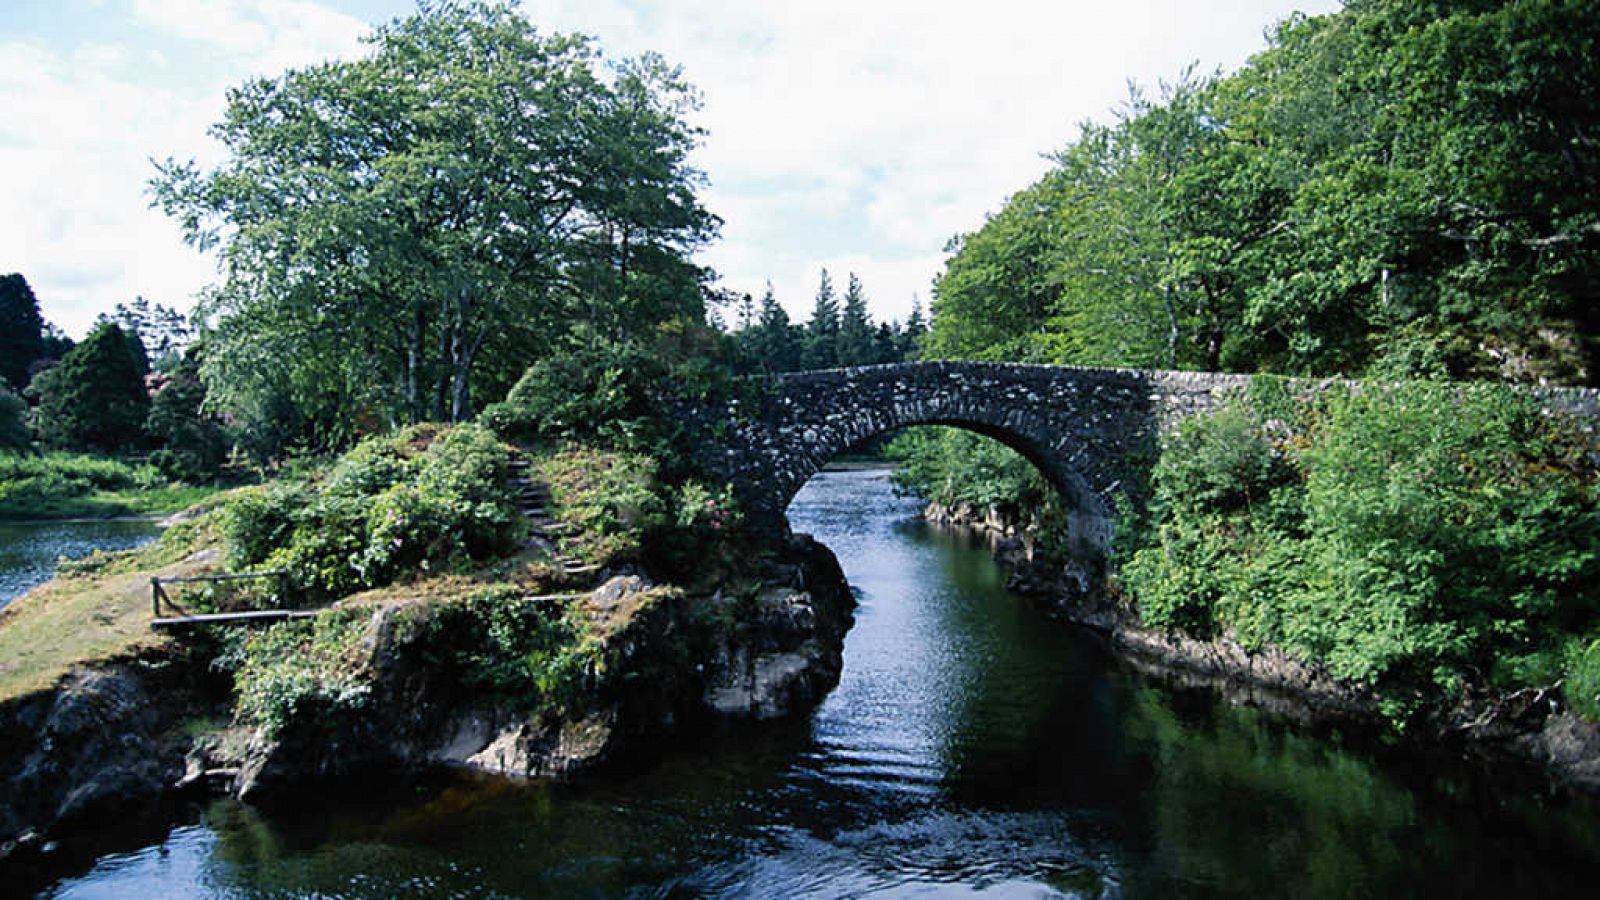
822, 329
1400, 187
94, 398
21, 330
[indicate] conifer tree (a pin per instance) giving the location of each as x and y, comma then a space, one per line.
775, 345
855, 328
21, 330
95, 397
822, 331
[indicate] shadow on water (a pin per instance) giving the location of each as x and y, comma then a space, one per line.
972, 748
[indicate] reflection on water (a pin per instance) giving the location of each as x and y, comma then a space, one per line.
29, 550
971, 749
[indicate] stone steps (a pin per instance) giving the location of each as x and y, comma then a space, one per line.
535, 503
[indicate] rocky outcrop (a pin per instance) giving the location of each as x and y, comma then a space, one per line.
106, 736
113, 735
789, 653
665, 660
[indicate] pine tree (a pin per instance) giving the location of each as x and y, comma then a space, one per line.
886, 343
855, 327
776, 345
822, 331
21, 330
747, 313
911, 337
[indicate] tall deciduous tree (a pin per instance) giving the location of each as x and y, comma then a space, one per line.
21, 330
472, 188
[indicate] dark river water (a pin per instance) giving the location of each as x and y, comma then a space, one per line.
972, 748
29, 550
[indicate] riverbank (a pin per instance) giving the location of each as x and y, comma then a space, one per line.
99, 714
1529, 729
50, 487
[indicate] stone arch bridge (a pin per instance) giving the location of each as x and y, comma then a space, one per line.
1092, 432
1089, 431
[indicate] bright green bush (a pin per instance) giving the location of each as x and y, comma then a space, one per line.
952, 465
258, 520
43, 485
613, 498
13, 421
1416, 538
1582, 665
605, 395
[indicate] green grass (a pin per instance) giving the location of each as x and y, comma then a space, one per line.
80, 486
96, 610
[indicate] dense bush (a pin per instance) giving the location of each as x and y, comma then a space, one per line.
614, 499
533, 653
422, 500
950, 466
94, 398
13, 421
37, 484
192, 443
605, 395
1418, 538
302, 672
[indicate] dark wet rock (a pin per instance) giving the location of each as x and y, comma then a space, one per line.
101, 739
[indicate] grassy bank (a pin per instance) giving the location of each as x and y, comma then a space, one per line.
80, 486
96, 609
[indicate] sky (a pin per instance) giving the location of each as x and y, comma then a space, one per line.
852, 135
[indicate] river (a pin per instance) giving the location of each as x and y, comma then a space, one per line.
972, 748
29, 550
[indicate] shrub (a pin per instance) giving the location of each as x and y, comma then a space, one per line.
1415, 538
422, 500
1583, 676
613, 498
37, 484
13, 421
258, 520
307, 672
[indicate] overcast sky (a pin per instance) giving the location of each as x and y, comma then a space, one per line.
857, 136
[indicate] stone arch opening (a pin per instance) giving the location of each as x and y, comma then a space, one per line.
1090, 518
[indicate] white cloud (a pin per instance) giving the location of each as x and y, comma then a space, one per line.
864, 135
84, 120
854, 135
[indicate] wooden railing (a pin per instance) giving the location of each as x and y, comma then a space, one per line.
159, 595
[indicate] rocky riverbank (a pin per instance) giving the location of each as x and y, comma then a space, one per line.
656, 660
1531, 727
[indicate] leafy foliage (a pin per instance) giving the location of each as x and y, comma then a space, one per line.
94, 398
613, 498
1415, 537
1399, 187
13, 422
193, 443
21, 331
31, 484
406, 229
305, 673
423, 500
